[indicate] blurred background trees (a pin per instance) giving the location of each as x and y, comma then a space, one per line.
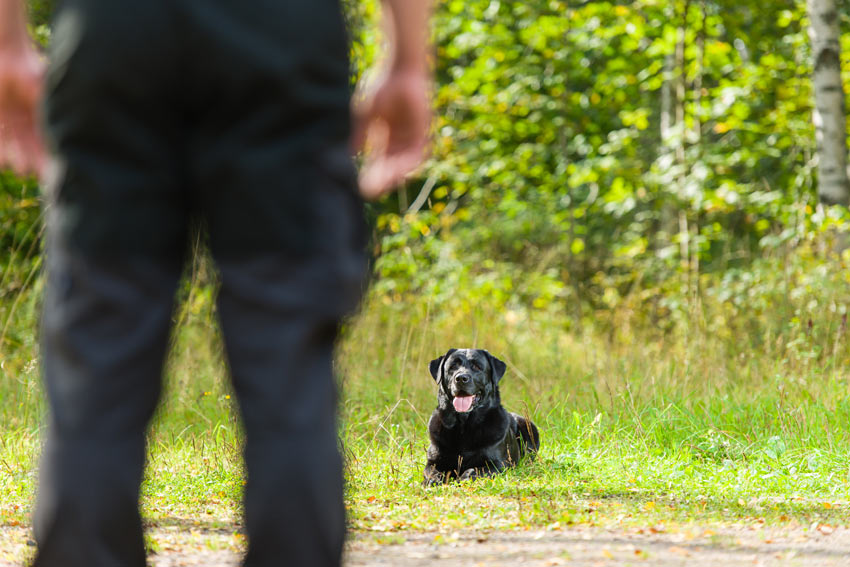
612, 160
647, 164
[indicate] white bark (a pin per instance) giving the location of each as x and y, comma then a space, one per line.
828, 117
667, 102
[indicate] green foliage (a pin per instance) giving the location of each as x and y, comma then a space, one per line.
20, 263
553, 185
40, 12
20, 224
362, 19
583, 162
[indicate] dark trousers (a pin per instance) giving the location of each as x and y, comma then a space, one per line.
160, 112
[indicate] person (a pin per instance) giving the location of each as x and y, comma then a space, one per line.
164, 111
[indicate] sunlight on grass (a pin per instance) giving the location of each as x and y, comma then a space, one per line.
639, 433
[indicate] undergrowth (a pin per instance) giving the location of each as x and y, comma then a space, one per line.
663, 427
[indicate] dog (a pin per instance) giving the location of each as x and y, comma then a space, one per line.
471, 433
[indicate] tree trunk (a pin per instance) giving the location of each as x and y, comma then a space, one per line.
828, 116
681, 156
667, 117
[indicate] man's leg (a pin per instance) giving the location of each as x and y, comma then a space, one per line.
272, 175
280, 349
104, 340
116, 221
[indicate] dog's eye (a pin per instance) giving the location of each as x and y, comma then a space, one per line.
453, 364
475, 366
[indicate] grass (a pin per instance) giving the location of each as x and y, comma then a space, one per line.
657, 432
631, 434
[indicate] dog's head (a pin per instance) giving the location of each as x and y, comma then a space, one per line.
468, 379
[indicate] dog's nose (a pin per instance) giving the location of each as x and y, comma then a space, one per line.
463, 378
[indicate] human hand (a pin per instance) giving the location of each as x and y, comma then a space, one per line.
391, 123
21, 86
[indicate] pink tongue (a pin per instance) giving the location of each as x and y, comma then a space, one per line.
463, 403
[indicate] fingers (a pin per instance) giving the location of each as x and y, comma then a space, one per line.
393, 155
393, 152
390, 125
383, 173
24, 157
32, 155
21, 146
21, 84
11, 154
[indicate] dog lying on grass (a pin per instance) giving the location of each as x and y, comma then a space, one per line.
471, 433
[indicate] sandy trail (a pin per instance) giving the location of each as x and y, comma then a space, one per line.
815, 546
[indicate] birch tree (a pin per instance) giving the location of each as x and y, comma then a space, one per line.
831, 134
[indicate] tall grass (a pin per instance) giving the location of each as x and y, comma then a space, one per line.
638, 425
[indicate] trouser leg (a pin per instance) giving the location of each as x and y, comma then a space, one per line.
116, 211
104, 339
280, 350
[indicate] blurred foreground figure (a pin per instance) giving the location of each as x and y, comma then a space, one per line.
157, 112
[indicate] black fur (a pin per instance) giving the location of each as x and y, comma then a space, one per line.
487, 438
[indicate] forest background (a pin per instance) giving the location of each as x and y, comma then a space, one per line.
621, 202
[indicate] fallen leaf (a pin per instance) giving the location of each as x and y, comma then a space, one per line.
679, 551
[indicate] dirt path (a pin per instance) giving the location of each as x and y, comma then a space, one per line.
602, 547
816, 546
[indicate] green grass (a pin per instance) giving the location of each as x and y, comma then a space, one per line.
660, 432
631, 434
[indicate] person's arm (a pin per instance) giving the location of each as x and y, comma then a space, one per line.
392, 119
21, 83
407, 23
13, 29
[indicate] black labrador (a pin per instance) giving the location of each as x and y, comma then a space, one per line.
471, 433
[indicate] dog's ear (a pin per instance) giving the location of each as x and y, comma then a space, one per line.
434, 367
437, 364
497, 367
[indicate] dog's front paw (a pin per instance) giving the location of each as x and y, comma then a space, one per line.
470, 474
434, 477
427, 482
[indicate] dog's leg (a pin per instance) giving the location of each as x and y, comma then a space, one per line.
434, 476
469, 474
491, 468
528, 437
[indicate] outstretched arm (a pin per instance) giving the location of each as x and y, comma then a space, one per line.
21, 83
392, 118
